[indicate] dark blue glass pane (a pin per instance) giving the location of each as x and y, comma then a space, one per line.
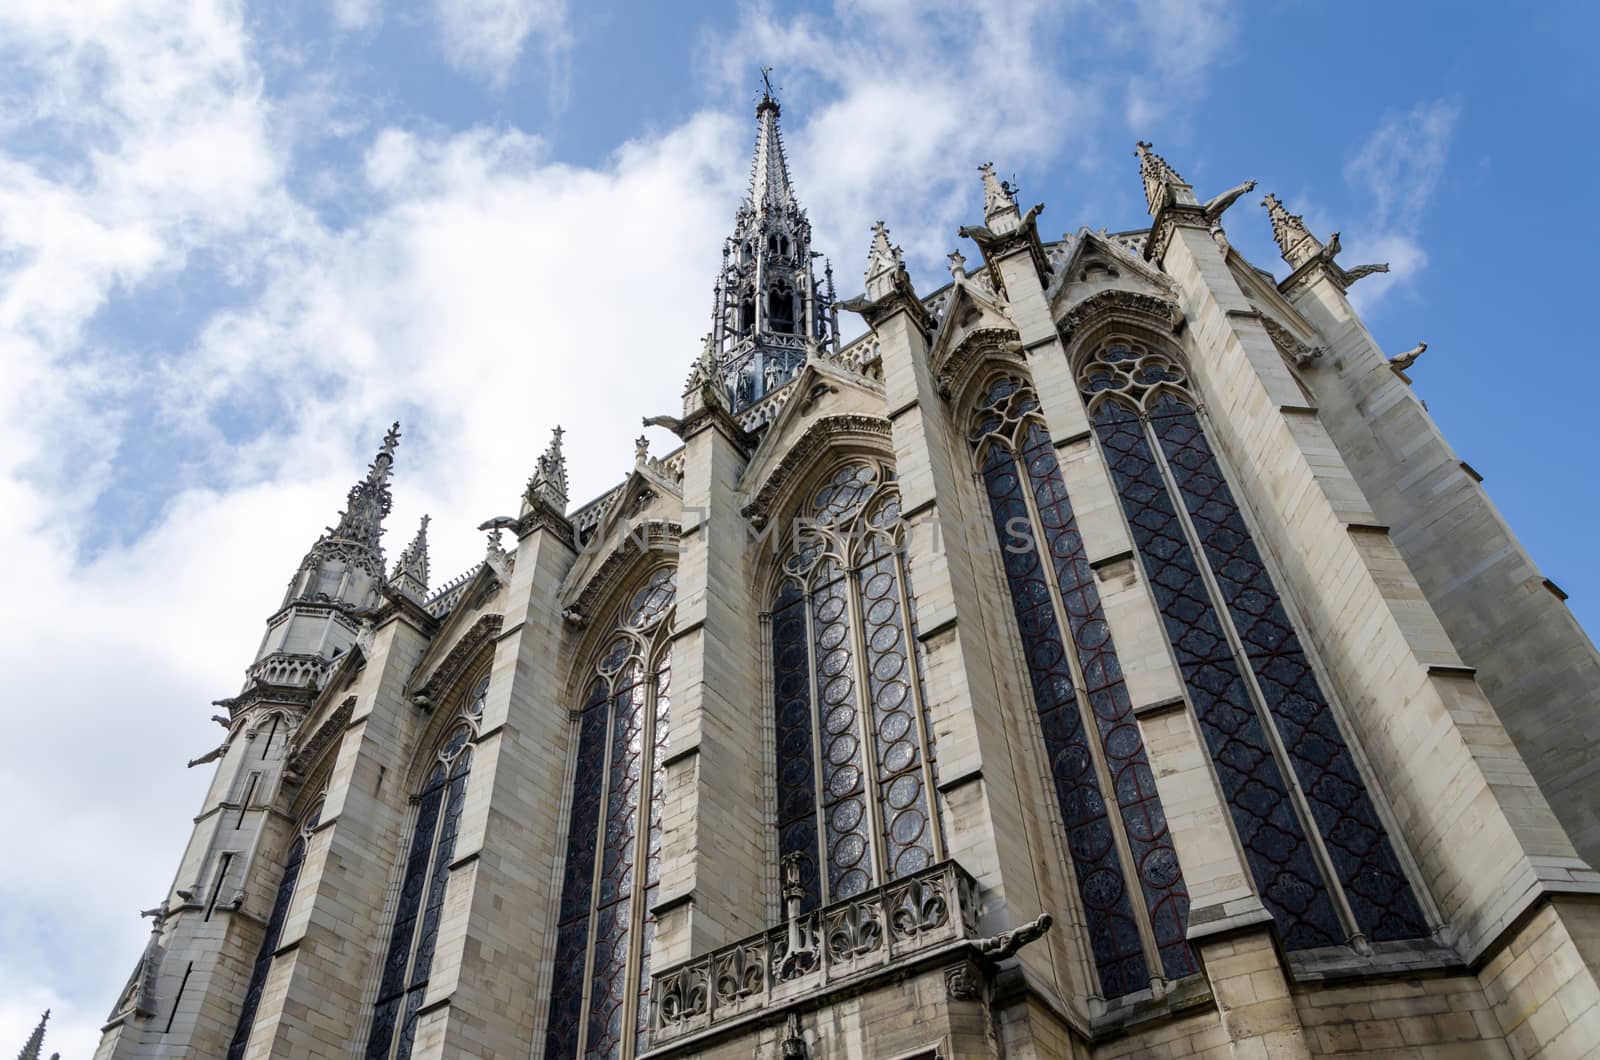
269, 944
652, 855
613, 916
1113, 933
1376, 886
844, 805
1144, 822
792, 735
902, 796
1274, 842
572, 937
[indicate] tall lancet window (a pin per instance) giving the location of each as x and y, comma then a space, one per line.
1085, 715
1320, 856
409, 958
853, 768
599, 993
274, 933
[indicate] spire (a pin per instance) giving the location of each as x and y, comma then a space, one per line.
765, 311
361, 522
1295, 241
884, 262
549, 481
1000, 211
1162, 184
34, 1048
410, 575
769, 171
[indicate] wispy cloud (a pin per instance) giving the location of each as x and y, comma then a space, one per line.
486, 38
1399, 166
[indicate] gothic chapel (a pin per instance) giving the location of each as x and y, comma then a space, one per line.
1103, 656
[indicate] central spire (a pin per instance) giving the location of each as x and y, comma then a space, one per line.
768, 313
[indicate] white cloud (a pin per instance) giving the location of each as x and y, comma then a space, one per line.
1399, 166
485, 38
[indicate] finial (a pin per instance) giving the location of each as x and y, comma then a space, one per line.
368, 501
767, 93
549, 481
1162, 184
641, 450
32, 1049
1294, 239
1000, 212
410, 575
958, 265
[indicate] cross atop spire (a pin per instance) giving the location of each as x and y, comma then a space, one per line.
361, 522
770, 188
549, 481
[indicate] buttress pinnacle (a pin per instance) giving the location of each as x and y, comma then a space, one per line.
410, 575
549, 481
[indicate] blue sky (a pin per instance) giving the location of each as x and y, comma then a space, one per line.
237, 240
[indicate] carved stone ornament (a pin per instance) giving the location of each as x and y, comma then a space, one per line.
824, 434
653, 535
459, 657
303, 758
963, 983
1139, 309
1297, 352
999, 947
952, 371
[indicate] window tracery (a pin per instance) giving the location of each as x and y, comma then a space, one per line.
852, 754
1084, 711
1257, 699
408, 959
610, 879
270, 939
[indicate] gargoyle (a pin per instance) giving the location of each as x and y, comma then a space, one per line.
999, 947
1363, 271
1219, 204
671, 423
1401, 361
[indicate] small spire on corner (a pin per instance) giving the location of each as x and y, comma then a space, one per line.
1000, 211
410, 575
549, 481
1162, 184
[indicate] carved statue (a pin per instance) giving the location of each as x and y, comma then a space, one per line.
999, 947
1401, 361
1219, 204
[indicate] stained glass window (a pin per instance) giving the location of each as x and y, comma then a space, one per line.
1248, 676
611, 874
274, 933
853, 761
1085, 714
408, 961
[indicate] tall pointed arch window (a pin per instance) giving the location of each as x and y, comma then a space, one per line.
292, 861
1116, 827
1320, 855
853, 758
409, 958
598, 998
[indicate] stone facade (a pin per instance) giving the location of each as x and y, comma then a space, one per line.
1103, 656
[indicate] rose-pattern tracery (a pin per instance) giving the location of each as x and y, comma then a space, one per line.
851, 748
596, 1008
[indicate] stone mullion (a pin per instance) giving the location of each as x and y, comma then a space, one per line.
866, 713
914, 680
1220, 885
824, 884
1258, 699
1132, 882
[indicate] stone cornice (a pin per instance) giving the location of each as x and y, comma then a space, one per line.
997, 246
955, 368
713, 416
431, 690
1171, 217
1130, 306
819, 437
901, 298
542, 516
303, 758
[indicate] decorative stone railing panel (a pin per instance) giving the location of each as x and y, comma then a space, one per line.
859, 936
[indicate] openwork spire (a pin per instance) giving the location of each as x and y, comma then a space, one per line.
369, 501
410, 575
549, 481
1162, 184
766, 313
